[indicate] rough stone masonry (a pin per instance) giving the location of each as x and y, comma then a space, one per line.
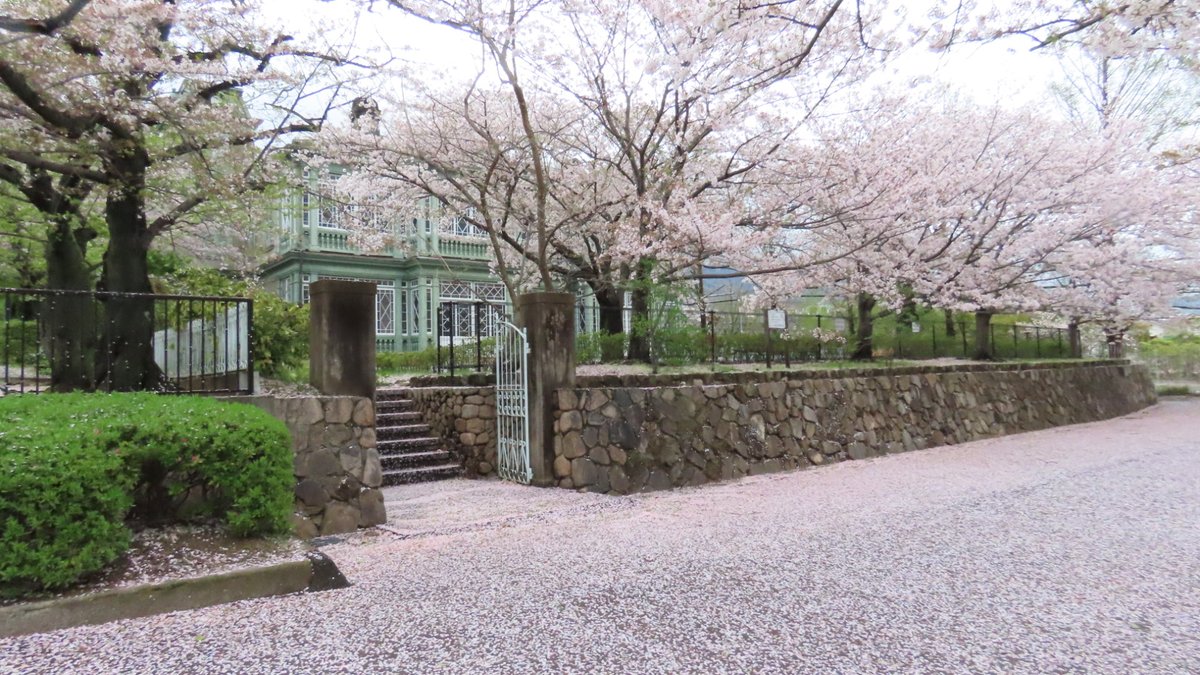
337, 467
465, 419
625, 439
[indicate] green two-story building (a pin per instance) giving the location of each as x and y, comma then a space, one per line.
424, 263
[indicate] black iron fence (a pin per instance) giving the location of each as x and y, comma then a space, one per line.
688, 338
55, 340
466, 335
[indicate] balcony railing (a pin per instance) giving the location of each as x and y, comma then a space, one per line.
420, 244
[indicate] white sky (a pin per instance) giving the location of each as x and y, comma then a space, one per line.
1005, 72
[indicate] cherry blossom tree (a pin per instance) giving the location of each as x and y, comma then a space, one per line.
1139, 62
146, 106
1147, 89
621, 144
1111, 28
989, 208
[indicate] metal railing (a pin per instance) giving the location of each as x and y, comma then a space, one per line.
466, 334
58, 340
714, 337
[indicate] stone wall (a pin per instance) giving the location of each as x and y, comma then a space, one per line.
622, 439
337, 467
465, 419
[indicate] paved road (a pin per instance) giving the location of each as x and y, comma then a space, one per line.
1071, 550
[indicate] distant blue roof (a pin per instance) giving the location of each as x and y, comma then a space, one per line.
738, 286
726, 286
1188, 304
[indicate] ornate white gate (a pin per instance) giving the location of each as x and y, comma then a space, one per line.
512, 404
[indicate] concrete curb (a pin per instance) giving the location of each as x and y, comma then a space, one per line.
316, 572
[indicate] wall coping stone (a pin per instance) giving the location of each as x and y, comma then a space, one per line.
775, 374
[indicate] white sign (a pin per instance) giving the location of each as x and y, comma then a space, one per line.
916, 327
839, 325
777, 319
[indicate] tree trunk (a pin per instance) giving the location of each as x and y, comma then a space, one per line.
69, 320
863, 342
129, 320
640, 322
983, 337
951, 329
1074, 340
908, 313
611, 302
639, 337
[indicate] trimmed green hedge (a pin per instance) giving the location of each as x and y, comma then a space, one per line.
74, 467
423, 361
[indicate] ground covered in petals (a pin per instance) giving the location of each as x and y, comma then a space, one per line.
1073, 549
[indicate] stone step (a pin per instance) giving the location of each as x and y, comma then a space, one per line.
421, 474
406, 452
394, 405
400, 445
395, 418
398, 431
414, 459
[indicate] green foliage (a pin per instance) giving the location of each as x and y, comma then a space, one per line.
74, 466
1174, 390
426, 360
600, 347
62, 502
423, 361
280, 336
1173, 357
280, 332
677, 345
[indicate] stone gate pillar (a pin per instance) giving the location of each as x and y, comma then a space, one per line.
341, 354
548, 319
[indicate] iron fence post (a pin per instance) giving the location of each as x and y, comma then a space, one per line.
7, 336
767, 332
437, 339
478, 340
37, 352
249, 344
787, 345
712, 334
191, 356
820, 341
453, 334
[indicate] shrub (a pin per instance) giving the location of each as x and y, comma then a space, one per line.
397, 362
681, 345
62, 503
600, 347
426, 360
73, 467
1172, 357
280, 333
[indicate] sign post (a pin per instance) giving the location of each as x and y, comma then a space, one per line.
777, 320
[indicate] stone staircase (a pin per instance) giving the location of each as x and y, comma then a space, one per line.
407, 450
